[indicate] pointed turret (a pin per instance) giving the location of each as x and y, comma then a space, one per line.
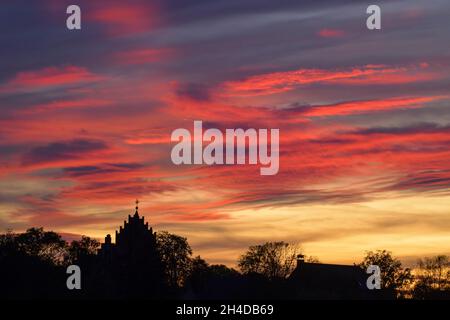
136, 214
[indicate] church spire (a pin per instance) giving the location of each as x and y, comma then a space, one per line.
137, 208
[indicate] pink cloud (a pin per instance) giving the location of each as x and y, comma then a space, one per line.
279, 82
360, 107
125, 19
330, 33
49, 77
67, 104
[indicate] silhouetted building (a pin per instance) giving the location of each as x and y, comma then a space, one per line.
132, 266
135, 242
329, 281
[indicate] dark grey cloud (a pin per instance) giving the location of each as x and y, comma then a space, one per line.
194, 91
283, 35
133, 187
227, 39
401, 130
63, 150
424, 181
101, 169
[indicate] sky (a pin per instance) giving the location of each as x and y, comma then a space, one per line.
86, 118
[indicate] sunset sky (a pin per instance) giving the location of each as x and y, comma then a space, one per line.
364, 118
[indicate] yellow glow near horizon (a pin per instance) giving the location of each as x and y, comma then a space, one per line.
410, 226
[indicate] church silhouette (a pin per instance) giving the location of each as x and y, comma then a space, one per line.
130, 267
135, 242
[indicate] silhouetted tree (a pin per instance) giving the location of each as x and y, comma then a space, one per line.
312, 259
47, 245
199, 275
8, 244
393, 276
222, 270
432, 278
175, 253
202, 272
30, 264
271, 259
213, 281
198, 264
85, 247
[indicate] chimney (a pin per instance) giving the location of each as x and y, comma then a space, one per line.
300, 260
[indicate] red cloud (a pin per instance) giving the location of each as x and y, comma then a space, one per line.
149, 138
278, 82
67, 104
124, 19
359, 107
49, 77
197, 217
330, 33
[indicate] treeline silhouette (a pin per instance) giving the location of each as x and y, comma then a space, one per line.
33, 266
